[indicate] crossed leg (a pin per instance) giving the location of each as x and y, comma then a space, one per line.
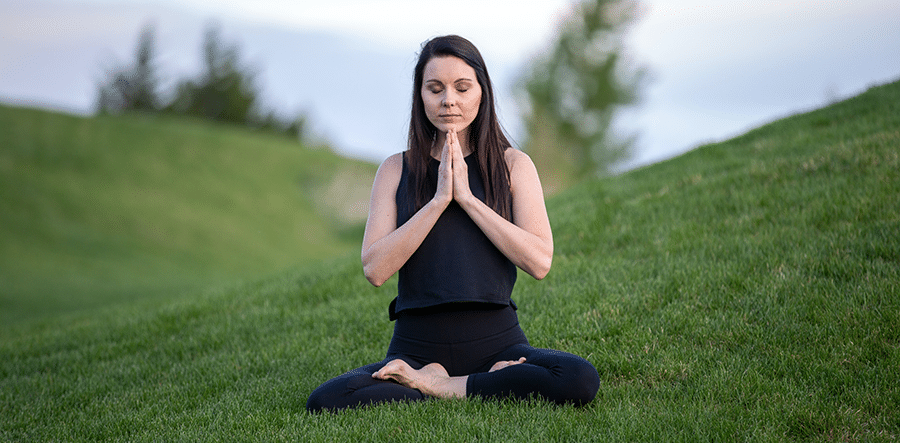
520, 371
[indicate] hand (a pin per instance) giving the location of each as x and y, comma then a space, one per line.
444, 191
461, 190
507, 363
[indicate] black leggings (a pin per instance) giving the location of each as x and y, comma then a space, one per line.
466, 341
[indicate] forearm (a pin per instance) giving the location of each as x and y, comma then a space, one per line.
385, 257
530, 252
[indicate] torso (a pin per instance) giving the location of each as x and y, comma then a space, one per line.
456, 262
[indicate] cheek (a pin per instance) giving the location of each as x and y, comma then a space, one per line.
429, 106
475, 103
473, 107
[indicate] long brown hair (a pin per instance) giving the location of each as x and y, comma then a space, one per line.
485, 135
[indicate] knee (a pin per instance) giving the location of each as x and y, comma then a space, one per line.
316, 401
330, 395
582, 384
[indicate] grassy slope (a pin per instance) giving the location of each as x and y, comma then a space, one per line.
94, 210
745, 291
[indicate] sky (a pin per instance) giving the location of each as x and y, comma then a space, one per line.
715, 69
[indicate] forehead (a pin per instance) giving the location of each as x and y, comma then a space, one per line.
447, 69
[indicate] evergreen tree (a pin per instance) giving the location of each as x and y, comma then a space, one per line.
133, 88
225, 90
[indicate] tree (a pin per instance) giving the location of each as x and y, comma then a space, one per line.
132, 88
225, 90
575, 90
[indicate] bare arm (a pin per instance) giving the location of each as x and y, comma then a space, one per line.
386, 247
527, 241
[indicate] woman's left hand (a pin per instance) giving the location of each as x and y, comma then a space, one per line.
461, 190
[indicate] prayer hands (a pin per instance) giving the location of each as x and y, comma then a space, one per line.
445, 175
453, 174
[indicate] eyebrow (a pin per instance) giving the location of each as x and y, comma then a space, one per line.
455, 81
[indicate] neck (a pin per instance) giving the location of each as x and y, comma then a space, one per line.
442, 138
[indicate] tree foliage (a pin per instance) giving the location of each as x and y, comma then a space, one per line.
575, 89
132, 88
225, 90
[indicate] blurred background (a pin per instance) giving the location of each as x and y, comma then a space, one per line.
149, 147
713, 68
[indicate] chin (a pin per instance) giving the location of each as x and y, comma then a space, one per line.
446, 127
443, 127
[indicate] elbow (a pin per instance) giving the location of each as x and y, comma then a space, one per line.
369, 271
373, 277
541, 268
543, 261
376, 282
539, 274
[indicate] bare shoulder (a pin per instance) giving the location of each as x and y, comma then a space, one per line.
392, 166
518, 163
513, 155
395, 161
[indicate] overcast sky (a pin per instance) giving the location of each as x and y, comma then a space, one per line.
716, 68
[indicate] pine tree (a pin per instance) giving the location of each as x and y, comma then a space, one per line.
133, 88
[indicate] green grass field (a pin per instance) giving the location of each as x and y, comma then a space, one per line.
748, 290
98, 210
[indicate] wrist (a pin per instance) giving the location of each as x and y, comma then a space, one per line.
441, 201
466, 201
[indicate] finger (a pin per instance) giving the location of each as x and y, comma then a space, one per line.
452, 140
457, 149
447, 155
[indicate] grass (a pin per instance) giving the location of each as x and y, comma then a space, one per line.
747, 290
96, 210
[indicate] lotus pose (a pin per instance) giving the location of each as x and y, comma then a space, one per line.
455, 214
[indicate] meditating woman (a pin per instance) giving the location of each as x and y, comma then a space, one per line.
455, 214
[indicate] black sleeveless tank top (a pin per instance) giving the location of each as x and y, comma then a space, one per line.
456, 262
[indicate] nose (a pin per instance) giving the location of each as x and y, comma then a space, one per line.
449, 99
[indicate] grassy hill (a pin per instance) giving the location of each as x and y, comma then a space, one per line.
95, 210
748, 290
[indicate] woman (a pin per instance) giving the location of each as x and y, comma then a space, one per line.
455, 215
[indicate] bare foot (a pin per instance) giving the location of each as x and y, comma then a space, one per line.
431, 380
398, 371
506, 363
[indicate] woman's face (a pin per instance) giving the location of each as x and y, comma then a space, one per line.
451, 93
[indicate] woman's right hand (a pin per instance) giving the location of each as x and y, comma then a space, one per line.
444, 193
